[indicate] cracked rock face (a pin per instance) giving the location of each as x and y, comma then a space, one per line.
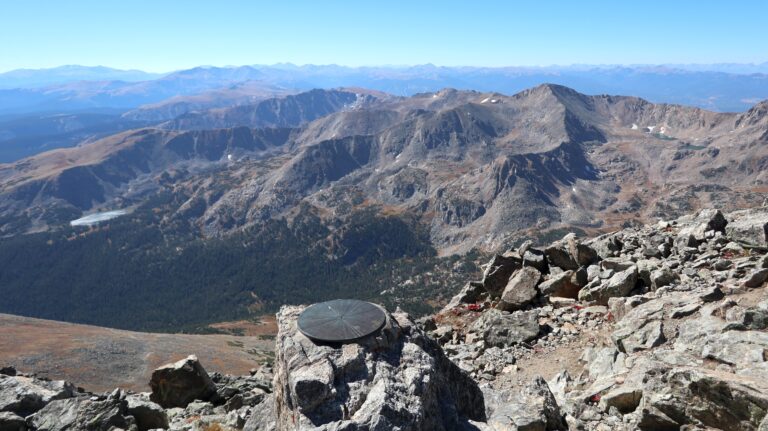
397, 378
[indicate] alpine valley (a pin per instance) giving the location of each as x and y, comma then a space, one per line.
228, 212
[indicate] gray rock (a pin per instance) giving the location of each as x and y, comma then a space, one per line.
179, 383
26, 395
560, 286
471, 292
641, 328
593, 271
706, 398
536, 259
616, 264
521, 289
533, 408
12, 422
663, 277
148, 415
76, 414
756, 318
645, 268
749, 226
263, 417
723, 265
497, 273
757, 278
582, 254
397, 378
706, 220
625, 398
620, 284
559, 254
711, 294
502, 329
743, 349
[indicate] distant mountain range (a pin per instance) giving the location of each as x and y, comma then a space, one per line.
30, 78
716, 87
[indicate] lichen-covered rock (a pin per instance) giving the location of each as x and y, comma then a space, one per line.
397, 378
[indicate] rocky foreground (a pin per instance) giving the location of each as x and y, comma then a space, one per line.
655, 328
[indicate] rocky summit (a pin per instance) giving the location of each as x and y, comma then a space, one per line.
655, 327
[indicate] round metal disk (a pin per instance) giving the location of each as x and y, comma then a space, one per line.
341, 320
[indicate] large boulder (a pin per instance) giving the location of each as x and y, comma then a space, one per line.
757, 278
560, 285
179, 383
81, 413
26, 395
396, 378
749, 226
497, 273
703, 398
501, 329
532, 408
564, 253
641, 328
695, 232
521, 289
620, 284
263, 416
12, 422
148, 415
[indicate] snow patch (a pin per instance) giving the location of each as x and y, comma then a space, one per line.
93, 219
634, 126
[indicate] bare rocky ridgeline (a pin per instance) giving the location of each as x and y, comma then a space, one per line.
654, 328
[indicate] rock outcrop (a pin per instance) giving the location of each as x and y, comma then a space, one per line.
658, 327
664, 329
33, 404
397, 378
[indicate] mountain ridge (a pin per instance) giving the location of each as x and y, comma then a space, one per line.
435, 133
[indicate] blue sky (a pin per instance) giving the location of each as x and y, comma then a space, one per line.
163, 35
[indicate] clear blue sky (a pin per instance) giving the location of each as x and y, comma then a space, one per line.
163, 35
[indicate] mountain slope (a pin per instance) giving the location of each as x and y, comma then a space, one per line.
288, 111
349, 204
470, 165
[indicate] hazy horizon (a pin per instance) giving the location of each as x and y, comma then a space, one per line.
166, 36
716, 66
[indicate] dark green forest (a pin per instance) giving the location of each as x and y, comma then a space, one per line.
136, 273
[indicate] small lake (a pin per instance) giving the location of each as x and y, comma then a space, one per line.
96, 218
